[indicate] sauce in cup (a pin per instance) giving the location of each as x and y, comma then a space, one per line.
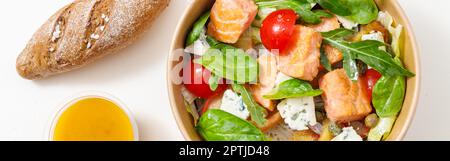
93, 118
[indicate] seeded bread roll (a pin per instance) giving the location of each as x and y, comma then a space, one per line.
85, 31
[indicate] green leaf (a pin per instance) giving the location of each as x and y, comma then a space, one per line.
292, 88
212, 42
324, 60
257, 113
218, 45
323, 13
309, 16
213, 82
218, 125
388, 95
350, 65
367, 51
234, 65
335, 6
370, 53
349, 62
338, 34
301, 7
363, 11
360, 11
197, 29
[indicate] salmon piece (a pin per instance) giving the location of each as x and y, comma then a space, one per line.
327, 24
230, 18
345, 101
267, 77
334, 55
302, 59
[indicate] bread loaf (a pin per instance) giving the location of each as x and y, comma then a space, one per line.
85, 31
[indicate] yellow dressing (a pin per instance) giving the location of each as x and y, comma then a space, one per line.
93, 119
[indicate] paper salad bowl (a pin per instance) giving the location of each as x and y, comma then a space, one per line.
410, 57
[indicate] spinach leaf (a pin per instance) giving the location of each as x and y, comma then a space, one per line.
389, 94
233, 64
324, 60
197, 29
218, 45
367, 51
257, 113
292, 88
301, 7
360, 11
218, 125
211, 41
323, 13
335, 6
363, 11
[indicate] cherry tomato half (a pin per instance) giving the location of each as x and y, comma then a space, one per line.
277, 29
197, 82
372, 76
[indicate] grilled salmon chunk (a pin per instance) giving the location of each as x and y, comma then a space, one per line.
302, 59
334, 55
329, 24
230, 18
267, 77
344, 99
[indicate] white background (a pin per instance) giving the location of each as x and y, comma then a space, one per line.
137, 75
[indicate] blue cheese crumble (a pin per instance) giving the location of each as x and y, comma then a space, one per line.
233, 103
298, 113
348, 134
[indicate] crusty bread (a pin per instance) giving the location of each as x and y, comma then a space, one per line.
85, 31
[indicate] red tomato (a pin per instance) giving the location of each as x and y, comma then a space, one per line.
372, 76
197, 83
277, 29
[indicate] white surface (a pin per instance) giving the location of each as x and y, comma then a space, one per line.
137, 75
431, 23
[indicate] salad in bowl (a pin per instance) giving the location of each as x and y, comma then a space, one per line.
294, 70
